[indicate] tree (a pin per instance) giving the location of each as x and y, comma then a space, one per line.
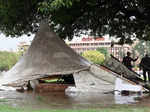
123, 19
142, 47
8, 59
103, 51
94, 56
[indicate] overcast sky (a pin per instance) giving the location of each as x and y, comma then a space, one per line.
10, 44
7, 43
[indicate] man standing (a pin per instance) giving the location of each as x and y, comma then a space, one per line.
145, 66
127, 61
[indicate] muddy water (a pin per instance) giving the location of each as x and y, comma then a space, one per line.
71, 100
65, 100
56, 100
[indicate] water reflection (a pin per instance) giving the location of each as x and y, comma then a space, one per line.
64, 100
129, 99
69, 99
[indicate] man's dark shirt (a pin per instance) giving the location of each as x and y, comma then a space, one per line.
127, 62
145, 63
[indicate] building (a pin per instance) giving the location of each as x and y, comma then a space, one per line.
23, 46
91, 43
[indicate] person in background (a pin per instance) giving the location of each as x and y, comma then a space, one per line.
127, 61
145, 67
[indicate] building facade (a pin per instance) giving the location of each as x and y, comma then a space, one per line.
91, 43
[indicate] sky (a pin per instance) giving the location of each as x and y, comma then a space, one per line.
10, 44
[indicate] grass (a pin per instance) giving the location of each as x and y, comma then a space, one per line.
3, 100
5, 108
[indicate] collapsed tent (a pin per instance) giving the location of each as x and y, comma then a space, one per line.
122, 71
48, 56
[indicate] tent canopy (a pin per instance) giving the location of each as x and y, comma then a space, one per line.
48, 55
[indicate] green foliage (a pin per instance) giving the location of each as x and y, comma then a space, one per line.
17, 16
7, 60
142, 47
54, 5
3, 100
122, 19
94, 56
103, 50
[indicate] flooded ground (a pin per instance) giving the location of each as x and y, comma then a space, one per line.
61, 100
56, 100
70, 99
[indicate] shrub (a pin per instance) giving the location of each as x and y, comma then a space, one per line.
7, 60
94, 56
